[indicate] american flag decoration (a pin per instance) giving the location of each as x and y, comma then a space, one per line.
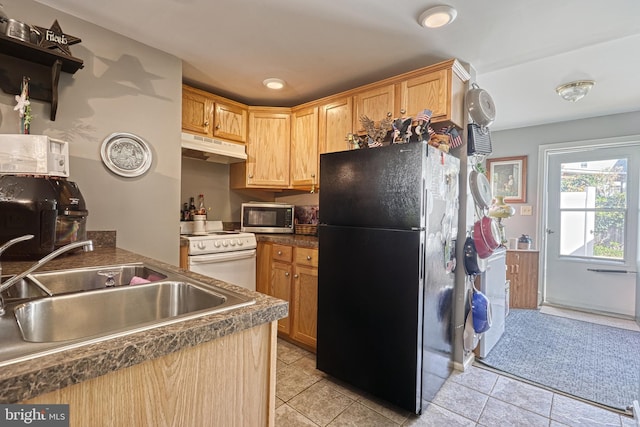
424, 115
455, 139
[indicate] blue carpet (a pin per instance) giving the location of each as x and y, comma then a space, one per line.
594, 362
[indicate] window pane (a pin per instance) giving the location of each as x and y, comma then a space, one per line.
599, 184
598, 234
609, 234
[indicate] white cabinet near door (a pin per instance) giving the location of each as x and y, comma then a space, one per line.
493, 285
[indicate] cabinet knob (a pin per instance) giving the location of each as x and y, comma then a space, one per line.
295, 276
308, 257
218, 126
286, 274
279, 252
206, 122
250, 176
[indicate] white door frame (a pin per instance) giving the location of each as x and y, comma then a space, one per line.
544, 151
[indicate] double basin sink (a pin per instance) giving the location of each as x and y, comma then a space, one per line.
89, 303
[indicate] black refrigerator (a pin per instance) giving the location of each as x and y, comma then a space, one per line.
388, 221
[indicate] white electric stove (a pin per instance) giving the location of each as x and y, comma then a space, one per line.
229, 256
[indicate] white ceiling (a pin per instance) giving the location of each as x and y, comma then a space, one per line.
520, 49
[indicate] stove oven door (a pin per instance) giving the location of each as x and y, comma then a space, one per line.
238, 268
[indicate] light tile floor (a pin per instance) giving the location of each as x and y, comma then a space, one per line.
476, 397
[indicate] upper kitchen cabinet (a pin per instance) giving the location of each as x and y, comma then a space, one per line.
304, 148
230, 121
375, 103
268, 149
335, 122
440, 88
213, 116
197, 111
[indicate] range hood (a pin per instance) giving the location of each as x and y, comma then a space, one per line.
212, 150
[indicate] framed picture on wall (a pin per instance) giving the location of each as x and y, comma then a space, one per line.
508, 177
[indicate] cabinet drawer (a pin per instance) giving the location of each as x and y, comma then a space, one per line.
307, 256
282, 253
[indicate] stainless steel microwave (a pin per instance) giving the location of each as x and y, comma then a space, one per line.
259, 217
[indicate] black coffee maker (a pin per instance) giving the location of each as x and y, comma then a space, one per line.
52, 209
71, 222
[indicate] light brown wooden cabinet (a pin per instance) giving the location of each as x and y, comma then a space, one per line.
375, 103
335, 122
304, 148
197, 111
284, 145
305, 296
213, 116
441, 90
291, 273
522, 272
268, 150
230, 121
230, 381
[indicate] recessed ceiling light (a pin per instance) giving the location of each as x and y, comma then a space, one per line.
575, 90
437, 16
274, 83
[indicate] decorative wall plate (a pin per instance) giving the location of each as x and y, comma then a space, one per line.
126, 154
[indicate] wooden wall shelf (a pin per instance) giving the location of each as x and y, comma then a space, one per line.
42, 66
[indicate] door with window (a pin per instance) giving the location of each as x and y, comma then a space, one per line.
592, 229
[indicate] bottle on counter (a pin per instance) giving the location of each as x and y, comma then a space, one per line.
185, 212
192, 208
202, 210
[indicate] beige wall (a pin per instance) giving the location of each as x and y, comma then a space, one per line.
124, 86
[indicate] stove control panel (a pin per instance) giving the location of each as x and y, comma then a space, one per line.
201, 245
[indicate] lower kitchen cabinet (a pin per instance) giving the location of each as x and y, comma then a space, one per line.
522, 272
291, 273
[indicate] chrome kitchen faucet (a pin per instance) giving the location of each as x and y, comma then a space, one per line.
87, 246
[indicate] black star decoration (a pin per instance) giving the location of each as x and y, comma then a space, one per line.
54, 38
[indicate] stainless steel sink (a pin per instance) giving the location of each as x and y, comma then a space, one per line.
24, 289
86, 279
120, 309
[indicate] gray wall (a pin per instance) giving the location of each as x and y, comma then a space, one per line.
212, 180
526, 141
124, 86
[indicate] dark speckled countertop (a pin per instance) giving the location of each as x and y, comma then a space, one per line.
289, 239
47, 371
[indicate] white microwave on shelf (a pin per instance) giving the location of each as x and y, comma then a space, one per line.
267, 217
33, 155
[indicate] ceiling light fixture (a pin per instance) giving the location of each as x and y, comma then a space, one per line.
574, 91
437, 16
273, 83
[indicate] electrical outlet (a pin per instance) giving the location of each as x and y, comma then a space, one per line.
526, 210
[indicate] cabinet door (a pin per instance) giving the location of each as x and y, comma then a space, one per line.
197, 112
304, 148
335, 122
522, 272
281, 275
375, 104
230, 122
426, 91
263, 267
268, 149
305, 303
